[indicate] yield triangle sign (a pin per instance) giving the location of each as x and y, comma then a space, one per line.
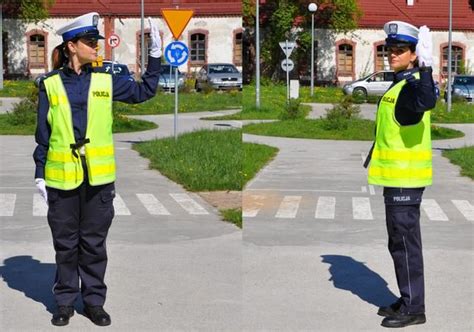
287, 47
177, 20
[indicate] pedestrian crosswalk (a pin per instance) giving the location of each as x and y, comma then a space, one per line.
330, 208
10, 204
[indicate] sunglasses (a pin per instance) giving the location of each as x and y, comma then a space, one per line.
90, 42
397, 50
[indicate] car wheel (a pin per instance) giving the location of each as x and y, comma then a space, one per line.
359, 93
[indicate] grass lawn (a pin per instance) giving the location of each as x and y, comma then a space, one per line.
204, 160
357, 129
233, 216
163, 103
20, 88
207, 160
460, 113
463, 157
255, 157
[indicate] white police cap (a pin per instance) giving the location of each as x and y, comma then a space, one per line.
84, 26
400, 33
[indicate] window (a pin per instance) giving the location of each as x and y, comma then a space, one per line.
345, 59
238, 48
456, 59
198, 47
36, 51
146, 49
381, 58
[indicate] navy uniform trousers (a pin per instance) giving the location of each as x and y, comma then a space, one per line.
79, 220
402, 210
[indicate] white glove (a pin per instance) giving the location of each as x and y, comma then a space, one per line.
155, 47
424, 48
41, 186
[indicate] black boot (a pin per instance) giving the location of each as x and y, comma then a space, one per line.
97, 315
62, 315
391, 310
403, 319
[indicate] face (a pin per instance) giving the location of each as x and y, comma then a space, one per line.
400, 58
85, 50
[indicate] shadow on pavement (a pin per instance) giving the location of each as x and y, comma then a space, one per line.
31, 277
357, 278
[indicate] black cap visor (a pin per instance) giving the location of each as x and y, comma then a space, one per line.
398, 43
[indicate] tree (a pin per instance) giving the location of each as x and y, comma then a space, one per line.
27, 10
290, 19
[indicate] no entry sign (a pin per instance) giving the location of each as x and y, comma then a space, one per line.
113, 40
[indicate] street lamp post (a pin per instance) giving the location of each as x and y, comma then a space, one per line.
312, 7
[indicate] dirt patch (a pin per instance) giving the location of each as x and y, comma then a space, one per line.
223, 199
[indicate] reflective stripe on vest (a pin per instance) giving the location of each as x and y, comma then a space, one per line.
402, 154
63, 170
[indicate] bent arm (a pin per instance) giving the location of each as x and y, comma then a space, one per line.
132, 92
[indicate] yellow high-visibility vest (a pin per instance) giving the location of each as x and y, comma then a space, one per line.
402, 154
63, 168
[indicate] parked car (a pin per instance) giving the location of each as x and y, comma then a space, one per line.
167, 78
219, 76
374, 84
118, 69
462, 87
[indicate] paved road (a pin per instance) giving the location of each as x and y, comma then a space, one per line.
7, 103
315, 256
173, 264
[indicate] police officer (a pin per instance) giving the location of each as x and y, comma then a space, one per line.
75, 164
400, 161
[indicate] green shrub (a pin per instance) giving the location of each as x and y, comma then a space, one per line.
23, 113
338, 117
189, 84
292, 111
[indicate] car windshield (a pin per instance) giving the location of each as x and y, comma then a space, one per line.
467, 80
165, 69
223, 69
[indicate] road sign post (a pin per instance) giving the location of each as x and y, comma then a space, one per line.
177, 52
287, 64
113, 41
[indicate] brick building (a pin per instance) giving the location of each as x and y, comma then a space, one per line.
214, 33
345, 57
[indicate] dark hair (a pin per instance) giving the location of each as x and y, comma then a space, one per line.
59, 56
413, 50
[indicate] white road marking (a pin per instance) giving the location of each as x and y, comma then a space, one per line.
361, 209
326, 208
40, 208
433, 210
364, 189
7, 204
466, 208
120, 207
255, 205
187, 203
288, 207
153, 205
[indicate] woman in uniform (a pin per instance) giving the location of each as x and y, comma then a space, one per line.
75, 164
400, 161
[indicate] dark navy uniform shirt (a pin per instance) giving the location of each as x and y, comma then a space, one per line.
416, 97
77, 90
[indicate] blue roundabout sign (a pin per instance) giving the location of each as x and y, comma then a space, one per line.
176, 53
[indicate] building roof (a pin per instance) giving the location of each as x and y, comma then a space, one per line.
433, 13
152, 7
